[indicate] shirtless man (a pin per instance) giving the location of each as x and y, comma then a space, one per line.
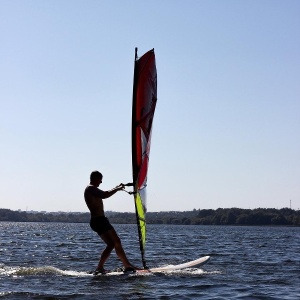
100, 224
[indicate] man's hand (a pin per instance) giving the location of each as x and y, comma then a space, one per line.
120, 187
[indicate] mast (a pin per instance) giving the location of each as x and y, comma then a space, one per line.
143, 106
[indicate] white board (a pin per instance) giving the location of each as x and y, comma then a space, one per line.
191, 264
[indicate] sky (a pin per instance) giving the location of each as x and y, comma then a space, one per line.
226, 132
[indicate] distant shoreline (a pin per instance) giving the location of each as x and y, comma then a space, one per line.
220, 216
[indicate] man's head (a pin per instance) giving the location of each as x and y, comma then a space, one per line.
96, 178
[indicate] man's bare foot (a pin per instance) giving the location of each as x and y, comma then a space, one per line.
131, 269
100, 270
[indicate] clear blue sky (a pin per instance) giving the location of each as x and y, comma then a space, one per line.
227, 125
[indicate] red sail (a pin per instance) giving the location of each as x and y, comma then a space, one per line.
144, 102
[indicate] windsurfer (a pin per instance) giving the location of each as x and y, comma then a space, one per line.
99, 223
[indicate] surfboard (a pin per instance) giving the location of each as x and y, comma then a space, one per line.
191, 264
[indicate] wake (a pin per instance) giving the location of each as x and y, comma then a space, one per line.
53, 271
39, 271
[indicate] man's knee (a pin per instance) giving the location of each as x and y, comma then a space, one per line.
110, 246
117, 242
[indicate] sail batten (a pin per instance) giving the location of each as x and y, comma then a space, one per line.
143, 106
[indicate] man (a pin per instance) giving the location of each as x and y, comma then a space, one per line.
100, 224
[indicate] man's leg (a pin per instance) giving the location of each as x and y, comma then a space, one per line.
112, 241
106, 252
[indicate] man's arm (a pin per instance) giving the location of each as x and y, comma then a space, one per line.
107, 194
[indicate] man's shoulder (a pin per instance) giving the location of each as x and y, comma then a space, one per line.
93, 190
90, 187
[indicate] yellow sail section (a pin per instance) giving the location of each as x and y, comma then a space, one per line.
141, 218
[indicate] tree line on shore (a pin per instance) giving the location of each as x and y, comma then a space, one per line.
220, 216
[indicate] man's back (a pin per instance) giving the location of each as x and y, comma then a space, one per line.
93, 199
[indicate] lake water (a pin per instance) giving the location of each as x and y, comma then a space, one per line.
52, 260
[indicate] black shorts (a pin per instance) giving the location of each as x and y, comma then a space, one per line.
100, 224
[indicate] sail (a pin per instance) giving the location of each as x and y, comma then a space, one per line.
143, 107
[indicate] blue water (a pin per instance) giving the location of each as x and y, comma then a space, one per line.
52, 261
